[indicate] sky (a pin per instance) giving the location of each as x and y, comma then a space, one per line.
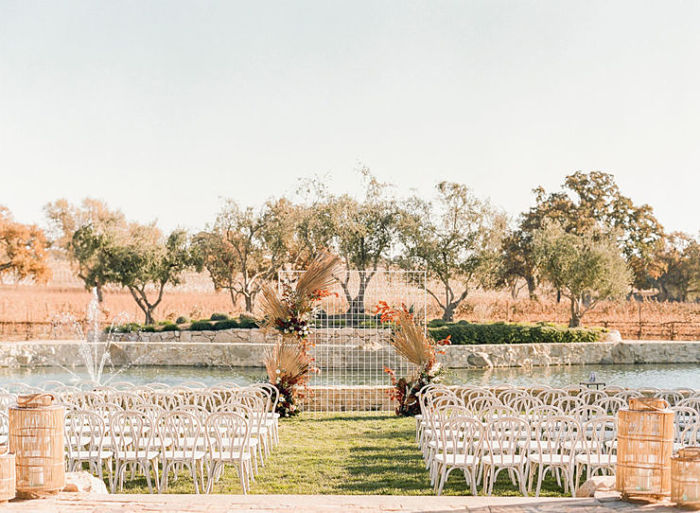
164, 108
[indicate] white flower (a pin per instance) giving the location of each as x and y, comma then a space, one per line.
278, 371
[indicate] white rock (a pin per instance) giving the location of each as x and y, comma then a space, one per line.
84, 482
596, 484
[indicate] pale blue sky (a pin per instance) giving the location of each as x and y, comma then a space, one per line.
162, 108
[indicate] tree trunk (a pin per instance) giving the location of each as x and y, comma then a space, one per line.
248, 302
575, 320
100, 295
149, 315
531, 287
448, 313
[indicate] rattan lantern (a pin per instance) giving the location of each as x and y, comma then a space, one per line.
7, 474
644, 448
685, 478
36, 438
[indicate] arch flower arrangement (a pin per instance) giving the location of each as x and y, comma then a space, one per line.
410, 342
289, 363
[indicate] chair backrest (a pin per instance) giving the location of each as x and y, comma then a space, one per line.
567, 403
180, 433
684, 416
548, 396
672, 397
4, 423
586, 412
627, 394
691, 402
496, 412
597, 432
612, 404
152, 411
541, 412
273, 395
591, 396
131, 431
481, 403
462, 434
84, 434
228, 434
127, 400
507, 436
552, 433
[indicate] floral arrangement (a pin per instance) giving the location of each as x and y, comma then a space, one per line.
410, 342
288, 362
291, 312
288, 367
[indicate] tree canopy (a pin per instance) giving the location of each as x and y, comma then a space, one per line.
22, 249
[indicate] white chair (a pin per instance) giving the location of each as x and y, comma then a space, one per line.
181, 438
228, 436
460, 448
502, 450
555, 445
85, 437
596, 456
132, 444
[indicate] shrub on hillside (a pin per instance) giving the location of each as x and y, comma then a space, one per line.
219, 317
182, 320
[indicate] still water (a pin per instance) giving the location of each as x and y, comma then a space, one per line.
643, 375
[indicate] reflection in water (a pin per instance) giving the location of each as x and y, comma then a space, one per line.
657, 375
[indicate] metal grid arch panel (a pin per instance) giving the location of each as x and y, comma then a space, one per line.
351, 346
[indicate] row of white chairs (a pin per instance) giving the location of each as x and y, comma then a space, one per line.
149, 428
528, 431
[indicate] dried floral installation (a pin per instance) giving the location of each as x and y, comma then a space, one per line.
288, 362
410, 342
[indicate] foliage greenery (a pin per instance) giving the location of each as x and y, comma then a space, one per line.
466, 333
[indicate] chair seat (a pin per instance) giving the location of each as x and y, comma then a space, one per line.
550, 459
228, 455
596, 459
137, 455
457, 460
90, 455
504, 460
180, 455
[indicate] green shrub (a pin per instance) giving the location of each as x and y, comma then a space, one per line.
247, 322
226, 325
170, 327
148, 328
219, 317
463, 332
182, 320
201, 326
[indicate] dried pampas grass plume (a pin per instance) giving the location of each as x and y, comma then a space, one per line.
410, 342
319, 275
287, 361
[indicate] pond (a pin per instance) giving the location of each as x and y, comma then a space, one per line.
650, 375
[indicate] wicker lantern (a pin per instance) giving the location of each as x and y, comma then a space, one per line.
644, 448
7, 474
36, 438
685, 478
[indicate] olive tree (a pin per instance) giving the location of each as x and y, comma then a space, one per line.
585, 268
455, 238
246, 247
146, 264
361, 230
81, 231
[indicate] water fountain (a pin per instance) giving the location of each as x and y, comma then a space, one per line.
96, 346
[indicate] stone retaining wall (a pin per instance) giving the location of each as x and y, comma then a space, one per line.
356, 354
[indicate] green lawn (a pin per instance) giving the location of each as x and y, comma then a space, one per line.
350, 453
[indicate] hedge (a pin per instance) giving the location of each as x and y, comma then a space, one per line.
465, 333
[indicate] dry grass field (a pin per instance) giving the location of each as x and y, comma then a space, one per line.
27, 304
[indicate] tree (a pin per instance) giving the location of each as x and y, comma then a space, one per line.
588, 203
585, 268
246, 248
454, 238
22, 249
362, 231
146, 264
75, 230
679, 261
